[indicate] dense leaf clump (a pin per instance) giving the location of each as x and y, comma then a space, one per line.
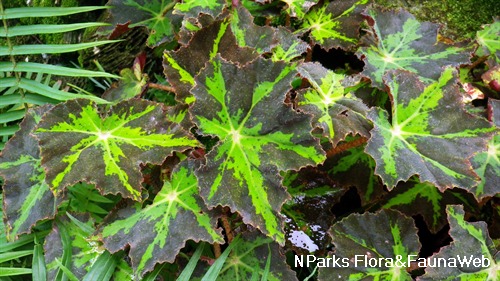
334, 140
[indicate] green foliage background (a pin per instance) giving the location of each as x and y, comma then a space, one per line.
220, 140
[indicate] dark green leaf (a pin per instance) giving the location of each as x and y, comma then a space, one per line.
430, 201
430, 134
156, 15
335, 24
334, 108
399, 41
474, 255
184, 64
372, 247
487, 163
80, 142
27, 199
264, 39
489, 39
192, 8
259, 136
355, 167
298, 8
157, 232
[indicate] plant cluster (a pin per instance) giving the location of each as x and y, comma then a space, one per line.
255, 146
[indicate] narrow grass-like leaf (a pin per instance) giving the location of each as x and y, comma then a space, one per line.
33, 12
188, 270
46, 28
52, 69
47, 91
8, 130
256, 140
38, 265
215, 268
13, 271
71, 251
14, 255
102, 269
253, 257
12, 116
80, 142
50, 49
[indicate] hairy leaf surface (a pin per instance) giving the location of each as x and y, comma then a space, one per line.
334, 109
398, 41
471, 240
259, 135
487, 163
27, 198
387, 234
157, 232
337, 24
81, 142
430, 134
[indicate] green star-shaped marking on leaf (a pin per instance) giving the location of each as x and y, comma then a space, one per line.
259, 136
399, 41
27, 198
334, 109
430, 134
489, 39
335, 25
157, 232
80, 142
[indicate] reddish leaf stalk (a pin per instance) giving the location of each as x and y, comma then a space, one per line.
161, 87
345, 146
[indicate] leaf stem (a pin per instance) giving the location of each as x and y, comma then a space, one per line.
161, 87
167, 8
345, 146
217, 250
227, 227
